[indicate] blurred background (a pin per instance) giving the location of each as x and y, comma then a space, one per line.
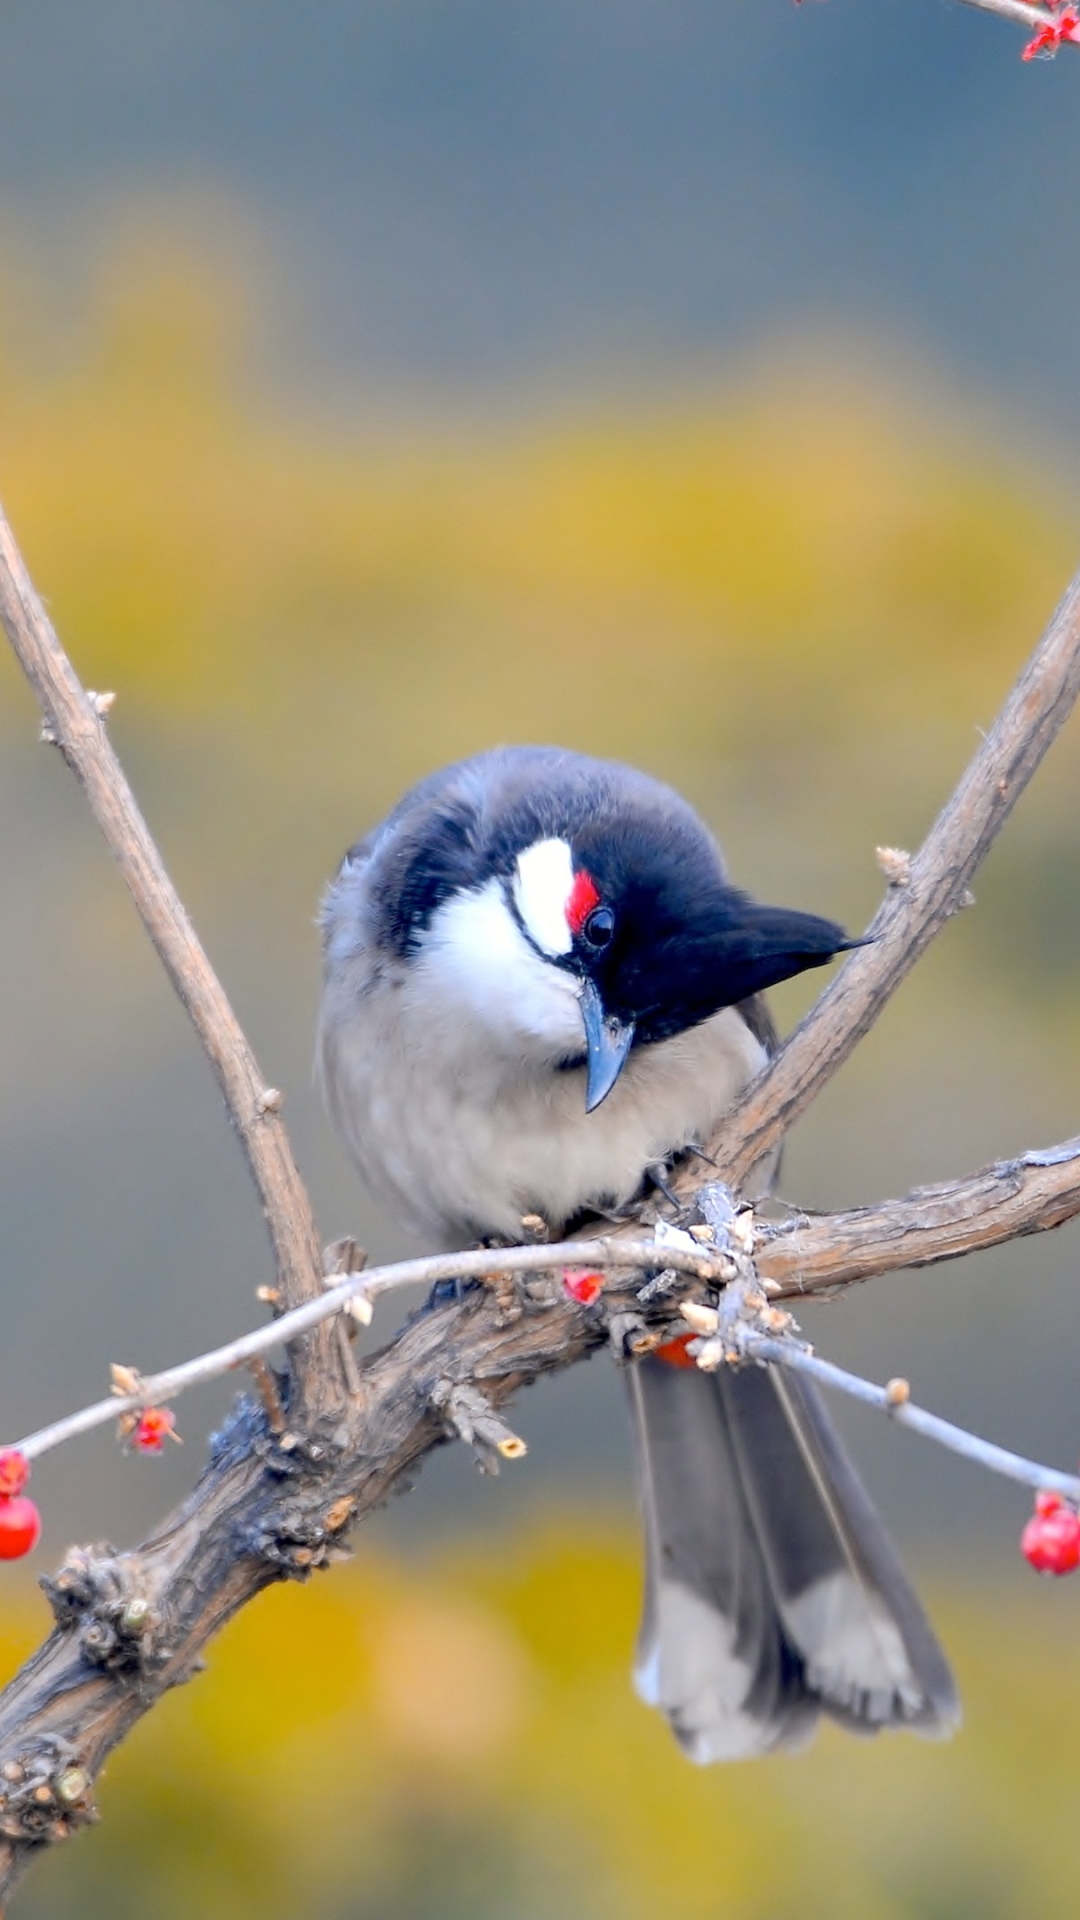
689, 383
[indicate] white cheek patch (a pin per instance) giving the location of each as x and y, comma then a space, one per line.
477, 962
542, 886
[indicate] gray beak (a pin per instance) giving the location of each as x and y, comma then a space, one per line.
608, 1041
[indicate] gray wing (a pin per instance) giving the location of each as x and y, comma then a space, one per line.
773, 1593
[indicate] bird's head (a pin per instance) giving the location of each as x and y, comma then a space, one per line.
586, 913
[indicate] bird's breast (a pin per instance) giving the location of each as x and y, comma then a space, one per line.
460, 1136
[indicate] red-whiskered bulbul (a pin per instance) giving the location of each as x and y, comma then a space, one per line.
539, 985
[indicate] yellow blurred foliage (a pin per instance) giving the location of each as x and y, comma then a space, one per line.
457, 1735
733, 576
199, 546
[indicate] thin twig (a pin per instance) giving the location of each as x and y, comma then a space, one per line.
478, 1264
1017, 10
265, 1509
1032, 1194
982, 1453
911, 915
245, 1527
76, 726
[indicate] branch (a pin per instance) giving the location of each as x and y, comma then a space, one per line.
842, 1247
274, 1505
484, 1264
1005, 1201
74, 723
269, 1506
914, 910
282, 1486
893, 1401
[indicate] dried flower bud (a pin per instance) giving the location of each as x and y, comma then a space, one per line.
72, 1785
648, 1341
710, 1355
704, 1320
895, 864
775, 1320
340, 1513
742, 1230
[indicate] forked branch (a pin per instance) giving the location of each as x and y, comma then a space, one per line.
73, 722
279, 1494
798, 1259
913, 912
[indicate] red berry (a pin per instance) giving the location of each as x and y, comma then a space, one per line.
582, 1286
1053, 34
14, 1471
675, 1351
154, 1426
1051, 1540
20, 1527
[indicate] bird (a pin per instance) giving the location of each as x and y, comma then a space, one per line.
540, 985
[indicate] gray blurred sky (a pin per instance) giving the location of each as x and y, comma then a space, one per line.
471, 189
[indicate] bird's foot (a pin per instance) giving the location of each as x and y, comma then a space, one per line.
450, 1293
446, 1293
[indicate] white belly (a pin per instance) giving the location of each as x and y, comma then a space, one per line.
460, 1140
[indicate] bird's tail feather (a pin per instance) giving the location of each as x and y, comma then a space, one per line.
773, 1593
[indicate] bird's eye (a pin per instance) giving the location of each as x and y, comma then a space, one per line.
598, 928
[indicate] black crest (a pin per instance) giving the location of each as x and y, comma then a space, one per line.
682, 942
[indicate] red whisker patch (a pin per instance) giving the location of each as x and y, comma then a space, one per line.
580, 901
